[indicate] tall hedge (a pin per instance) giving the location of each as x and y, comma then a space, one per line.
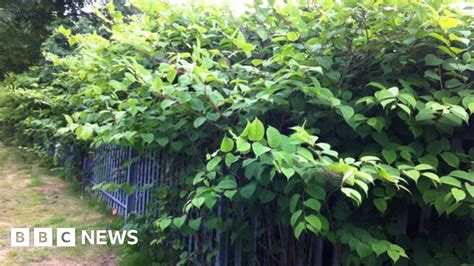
342, 121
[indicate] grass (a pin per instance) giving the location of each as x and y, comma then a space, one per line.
32, 196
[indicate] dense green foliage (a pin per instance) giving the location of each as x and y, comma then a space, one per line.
348, 121
24, 27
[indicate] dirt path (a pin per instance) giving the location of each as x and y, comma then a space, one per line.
31, 196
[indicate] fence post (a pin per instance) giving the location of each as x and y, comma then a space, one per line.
130, 202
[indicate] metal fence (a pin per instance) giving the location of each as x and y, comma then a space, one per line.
126, 168
147, 170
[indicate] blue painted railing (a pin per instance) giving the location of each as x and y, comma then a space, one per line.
147, 170
114, 164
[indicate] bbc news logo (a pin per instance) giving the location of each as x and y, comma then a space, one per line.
66, 237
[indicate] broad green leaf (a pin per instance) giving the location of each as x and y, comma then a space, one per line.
432, 60
227, 144
380, 204
293, 202
288, 172
242, 145
179, 221
247, 191
389, 155
393, 255
148, 137
316, 192
450, 158
273, 137
198, 202
162, 141
299, 229
256, 130
458, 194
292, 36
379, 248
195, 223
314, 221
227, 184
164, 223
347, 112
266, 196
199, 121
259, 149
313, 204
213, 163
230, 159
295, 217
166, 103
353, 194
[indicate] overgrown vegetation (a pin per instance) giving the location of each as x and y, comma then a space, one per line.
346, 121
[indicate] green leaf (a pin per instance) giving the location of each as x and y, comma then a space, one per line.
273, 137
288, 172
363, 250
377, 85
470, 189
468, 176
178, 222
230, 159
162, 141
450, 158
299, 229
227, 184
314, 221
389, 155
171, 75
292, 36
247, 191
449, 180
256, 130
432, 60
380, 204
316, 192
164, 223
148, 137
230, 194
227, 144
413, 174
353, 194
295, 217
379, 248
195, 223
166, 103
69, 119
213, 163
293, 202
432, 176
259, 149
199, 121
313, 204
458, 194
266, 196
393, 255
325, 61
242, 145
347, 112
198, 201
425, 114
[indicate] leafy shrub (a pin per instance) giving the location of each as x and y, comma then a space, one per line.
346, 121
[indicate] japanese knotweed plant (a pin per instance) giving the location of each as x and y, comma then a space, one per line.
350, 122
